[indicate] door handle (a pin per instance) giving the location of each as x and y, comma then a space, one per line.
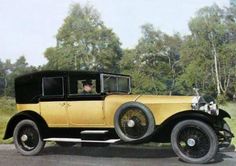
62, 104
68, 105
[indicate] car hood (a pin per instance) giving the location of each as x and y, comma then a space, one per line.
164, 99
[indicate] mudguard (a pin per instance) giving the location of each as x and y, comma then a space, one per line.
20, 116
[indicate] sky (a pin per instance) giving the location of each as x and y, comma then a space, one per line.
28, 27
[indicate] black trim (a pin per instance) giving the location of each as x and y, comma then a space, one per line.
223, 114
75, 132
85, 97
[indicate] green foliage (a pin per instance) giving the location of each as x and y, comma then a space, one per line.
8, 105
153, 63
85, 43
208, 55
7, 110
230, 108
10, 71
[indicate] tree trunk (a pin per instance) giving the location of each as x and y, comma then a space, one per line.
216, 68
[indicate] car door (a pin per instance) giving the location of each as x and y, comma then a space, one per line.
52, 103
84, 110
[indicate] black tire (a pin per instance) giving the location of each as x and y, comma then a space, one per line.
134, 122
227, 142
66, 144
27, 138
194, 141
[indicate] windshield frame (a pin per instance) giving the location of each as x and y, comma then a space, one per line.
114, 75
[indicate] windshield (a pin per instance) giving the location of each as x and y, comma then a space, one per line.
115, 83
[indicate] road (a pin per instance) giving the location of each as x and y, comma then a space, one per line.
102, 156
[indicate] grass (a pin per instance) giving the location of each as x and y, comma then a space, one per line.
7, 109
231, 109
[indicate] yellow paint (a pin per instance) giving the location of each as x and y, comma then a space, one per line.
101, 113
86, 113
54, 113
29, 107
163, 107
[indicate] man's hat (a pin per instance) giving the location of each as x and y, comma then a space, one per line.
87, 82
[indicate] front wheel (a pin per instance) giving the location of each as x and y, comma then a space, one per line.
194, 141
27, 138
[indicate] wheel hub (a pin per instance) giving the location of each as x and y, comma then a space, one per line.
191, 142
24, 137
130, 123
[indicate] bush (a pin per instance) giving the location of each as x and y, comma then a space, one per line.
222, 99
8, 105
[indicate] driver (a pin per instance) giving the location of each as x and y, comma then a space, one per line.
87, 87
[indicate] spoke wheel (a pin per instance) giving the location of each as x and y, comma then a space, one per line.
27, 138
133, 123
194, 141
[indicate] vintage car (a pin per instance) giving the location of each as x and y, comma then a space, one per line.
51, 106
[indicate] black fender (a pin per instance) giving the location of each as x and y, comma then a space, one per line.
190, 114
223, 114
163, 131
27, 114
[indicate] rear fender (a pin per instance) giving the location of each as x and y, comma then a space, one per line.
28, 114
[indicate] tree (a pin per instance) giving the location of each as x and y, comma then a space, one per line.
12, 70
153, 63
84, 42
207, 53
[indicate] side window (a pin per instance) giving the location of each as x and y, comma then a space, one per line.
52, 86
79, 86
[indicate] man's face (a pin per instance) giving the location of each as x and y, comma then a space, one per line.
88, 88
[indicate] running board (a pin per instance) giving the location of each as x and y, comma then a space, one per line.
94, 132
80, 140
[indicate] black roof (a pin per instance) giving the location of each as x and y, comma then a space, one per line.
45, 73
28, 87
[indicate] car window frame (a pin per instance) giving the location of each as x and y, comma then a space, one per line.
96, 96
113, 75
77, 94
63, 87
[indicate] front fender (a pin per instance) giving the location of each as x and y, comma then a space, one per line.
185, 115
223, 114
163, 131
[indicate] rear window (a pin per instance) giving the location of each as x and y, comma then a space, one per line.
53, 86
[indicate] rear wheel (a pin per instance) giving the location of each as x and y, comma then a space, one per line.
27, 138
194, 141
134, 122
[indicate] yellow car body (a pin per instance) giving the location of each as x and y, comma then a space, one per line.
96, 114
